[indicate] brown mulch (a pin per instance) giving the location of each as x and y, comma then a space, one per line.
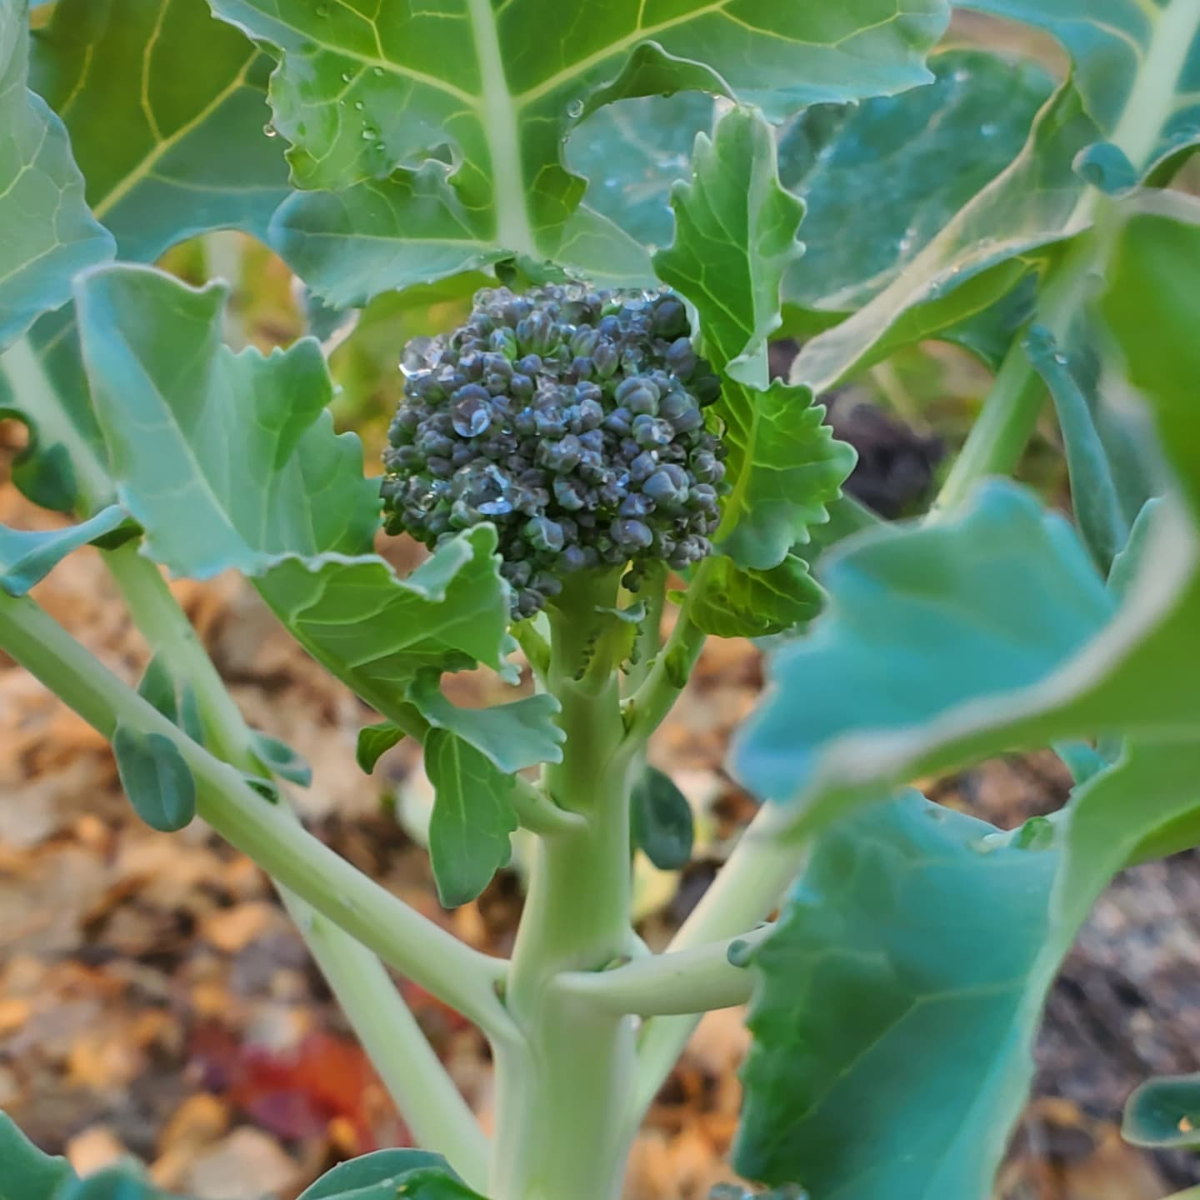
155, 1000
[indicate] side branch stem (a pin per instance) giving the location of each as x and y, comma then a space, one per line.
417, 947
423, 1091
678, 982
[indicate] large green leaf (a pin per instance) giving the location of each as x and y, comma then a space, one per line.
1148, 57
28, 1173
908, 940
166, 108
473, 818
881, 178
632, 152
46, 231
226, 460
444, 128
735, 237
1135, 67
230, 461
940, 937
961, 662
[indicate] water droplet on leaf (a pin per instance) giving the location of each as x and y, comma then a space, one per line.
270, 129
377, 72
575, 110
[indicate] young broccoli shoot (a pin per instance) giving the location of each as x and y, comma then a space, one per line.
572, 420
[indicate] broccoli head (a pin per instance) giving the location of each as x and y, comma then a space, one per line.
572, 421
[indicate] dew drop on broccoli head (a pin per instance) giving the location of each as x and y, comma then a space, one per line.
417, 358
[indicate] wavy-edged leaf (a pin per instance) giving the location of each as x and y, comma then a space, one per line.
28, 1173
157, 780
961, 663
1134, 67
47, 233
27, 557
165, 108
1164, 1114
735, 237
1148, 106
473, 817
384, 1174
377, 632
226, 460
908, 940
942, 937
477, 100
736, 602
880, 179
520, 734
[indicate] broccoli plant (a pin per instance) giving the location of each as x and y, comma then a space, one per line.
593, 211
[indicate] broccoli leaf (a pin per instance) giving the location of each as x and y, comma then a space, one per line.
880, 179
513, 736
49, 234
632, 152
1164, 1114
928, 940
473, 817
28, 1173
941, 936
661, 820
166, 108
1095, 495
443, 130
283, 760
65, 464
959, 601
28, 557
1132, 85
728, 259
374, 741
157, 780
737, 603
385, 1174
227, 460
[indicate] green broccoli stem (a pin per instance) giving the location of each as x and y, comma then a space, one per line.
563, 1097
423, 1091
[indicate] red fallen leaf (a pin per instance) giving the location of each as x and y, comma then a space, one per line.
298, 1091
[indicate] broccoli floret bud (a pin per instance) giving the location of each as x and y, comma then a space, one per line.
571, 420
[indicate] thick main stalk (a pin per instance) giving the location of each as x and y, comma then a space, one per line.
563, 1096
